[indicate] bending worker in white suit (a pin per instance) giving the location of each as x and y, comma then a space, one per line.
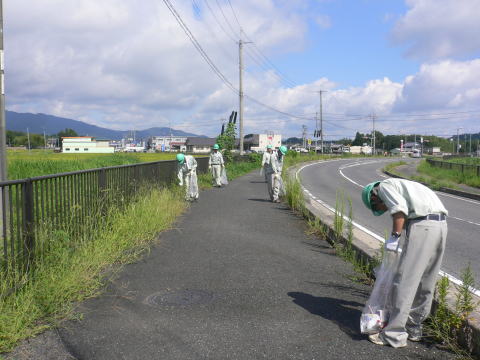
216, 165
266, 161
419, 211
277, 166
187, 174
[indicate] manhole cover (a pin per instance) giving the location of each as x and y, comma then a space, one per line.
179, 297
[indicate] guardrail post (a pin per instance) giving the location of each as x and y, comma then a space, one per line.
29, 235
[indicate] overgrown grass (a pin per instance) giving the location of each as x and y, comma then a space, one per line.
72, 273
436, 177
449, 327
448, 176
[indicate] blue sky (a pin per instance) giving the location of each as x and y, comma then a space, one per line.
123, 64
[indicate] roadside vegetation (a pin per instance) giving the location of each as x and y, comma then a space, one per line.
77, 266
437, 177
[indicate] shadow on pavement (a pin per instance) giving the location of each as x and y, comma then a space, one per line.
260, 200
341, 312
258, 182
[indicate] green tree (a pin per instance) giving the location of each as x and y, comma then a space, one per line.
226, 141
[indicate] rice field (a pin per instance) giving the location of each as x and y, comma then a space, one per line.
23, 164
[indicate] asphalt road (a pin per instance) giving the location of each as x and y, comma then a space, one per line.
238, 278
463, 242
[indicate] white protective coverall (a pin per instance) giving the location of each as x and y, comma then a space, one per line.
266, 163
187, 174
215, 162
414, 282
276, 161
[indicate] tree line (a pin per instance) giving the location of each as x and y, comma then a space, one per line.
20, 138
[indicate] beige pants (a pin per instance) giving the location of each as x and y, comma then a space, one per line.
414, 282
217, 174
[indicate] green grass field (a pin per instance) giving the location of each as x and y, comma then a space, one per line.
24, 164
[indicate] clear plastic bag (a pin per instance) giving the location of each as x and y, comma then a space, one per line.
193, 185
223, 177
377, 309
281, 186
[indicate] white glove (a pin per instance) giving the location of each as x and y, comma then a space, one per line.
209, 167
392, 243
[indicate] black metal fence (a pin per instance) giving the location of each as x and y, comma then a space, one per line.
69, 201
463, 168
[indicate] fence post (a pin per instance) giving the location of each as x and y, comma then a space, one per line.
29, 235
478, 170
102, 191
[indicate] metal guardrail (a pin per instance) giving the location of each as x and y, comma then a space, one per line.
464, 168
68, 202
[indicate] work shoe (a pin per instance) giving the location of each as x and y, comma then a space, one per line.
414, 338
376, 339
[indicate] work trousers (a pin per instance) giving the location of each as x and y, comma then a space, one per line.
414, 282
217, 174
270, 180
276, 186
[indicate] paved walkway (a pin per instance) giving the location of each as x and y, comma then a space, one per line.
238, 278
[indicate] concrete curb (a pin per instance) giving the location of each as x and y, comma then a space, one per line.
368, 248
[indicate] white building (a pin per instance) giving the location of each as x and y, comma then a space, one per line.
366, 150
168, 143
200, 145
86, 144
259, 142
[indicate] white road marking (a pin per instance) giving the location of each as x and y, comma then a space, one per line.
371, 233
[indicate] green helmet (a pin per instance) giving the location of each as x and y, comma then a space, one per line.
283, 149
269, 146
180, 158
366, 197
216, 147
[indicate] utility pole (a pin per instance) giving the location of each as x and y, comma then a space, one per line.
373, 134
28, 139
3, 132
304, 136
321, 119
45, 138
240, 87
458, 141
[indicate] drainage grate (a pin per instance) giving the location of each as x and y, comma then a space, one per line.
179, 297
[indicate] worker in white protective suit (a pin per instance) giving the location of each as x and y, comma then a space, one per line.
216, 165
276, 161
187, 174
266, 162
416, 210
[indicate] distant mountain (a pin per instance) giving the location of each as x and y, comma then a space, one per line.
293, 140
38, 123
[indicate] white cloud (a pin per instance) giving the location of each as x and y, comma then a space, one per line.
434, 29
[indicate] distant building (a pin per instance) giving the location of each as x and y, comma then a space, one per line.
168, 143
200, 145
259, 142
86, 144
366, 150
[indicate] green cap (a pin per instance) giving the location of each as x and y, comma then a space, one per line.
366, 197
216, 147
283, 149
180, 158
269, 146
